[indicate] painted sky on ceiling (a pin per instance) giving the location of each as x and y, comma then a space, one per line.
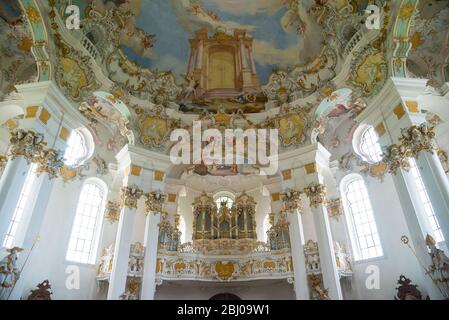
173, 22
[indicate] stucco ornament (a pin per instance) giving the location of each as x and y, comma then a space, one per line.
292, 200
25, 144
49, 161
316, 194
154, 201
419, 138
397, 157
129, 196
3, 162
112, 212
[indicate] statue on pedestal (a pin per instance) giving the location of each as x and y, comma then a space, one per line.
439, 269
9, 273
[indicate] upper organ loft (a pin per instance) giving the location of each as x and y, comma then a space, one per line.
223, 224
222, 66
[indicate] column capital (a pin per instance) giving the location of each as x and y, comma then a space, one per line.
154, 201
292, 200
49, 161
317, 194
129, 195
25, 143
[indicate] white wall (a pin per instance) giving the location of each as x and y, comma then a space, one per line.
398, 258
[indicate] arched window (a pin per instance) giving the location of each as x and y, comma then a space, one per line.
224, 197
366, 144
359, 213
425, 199
79, 148
86, 226
23, 202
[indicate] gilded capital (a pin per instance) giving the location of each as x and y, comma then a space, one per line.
129, 196
316, 194
397, 157
154, 201
112, 212
25, 143
292, 200
49, 161
335, 208
419, 138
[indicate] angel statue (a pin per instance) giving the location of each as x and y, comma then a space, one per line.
9, 273
439, 269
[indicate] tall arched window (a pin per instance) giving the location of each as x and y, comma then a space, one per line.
425, 199
359, 213
78, 148
366, 144
22, 204
87, 224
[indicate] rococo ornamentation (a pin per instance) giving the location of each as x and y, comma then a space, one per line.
112, 212
316, 194
335, 208
419, 138
397, 157
154, 201
129, 196
3, 161
292, 200
50, 161
26, 143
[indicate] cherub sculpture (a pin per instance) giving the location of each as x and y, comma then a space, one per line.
9, 273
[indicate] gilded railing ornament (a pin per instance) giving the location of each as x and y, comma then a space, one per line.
154, 201
316, 194
419, 138
292, 200
129, 196
112, 212
49, 161
397, 157
25, 144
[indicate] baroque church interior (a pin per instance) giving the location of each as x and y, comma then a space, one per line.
93, 93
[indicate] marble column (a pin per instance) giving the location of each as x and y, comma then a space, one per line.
117, 281
292, 205
153, 204
331, 280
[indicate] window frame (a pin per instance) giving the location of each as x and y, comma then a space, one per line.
98, 227
351, 223
88, 144
358, 140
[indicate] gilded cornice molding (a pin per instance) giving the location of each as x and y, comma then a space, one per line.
154, 202
129, 196
316, 194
